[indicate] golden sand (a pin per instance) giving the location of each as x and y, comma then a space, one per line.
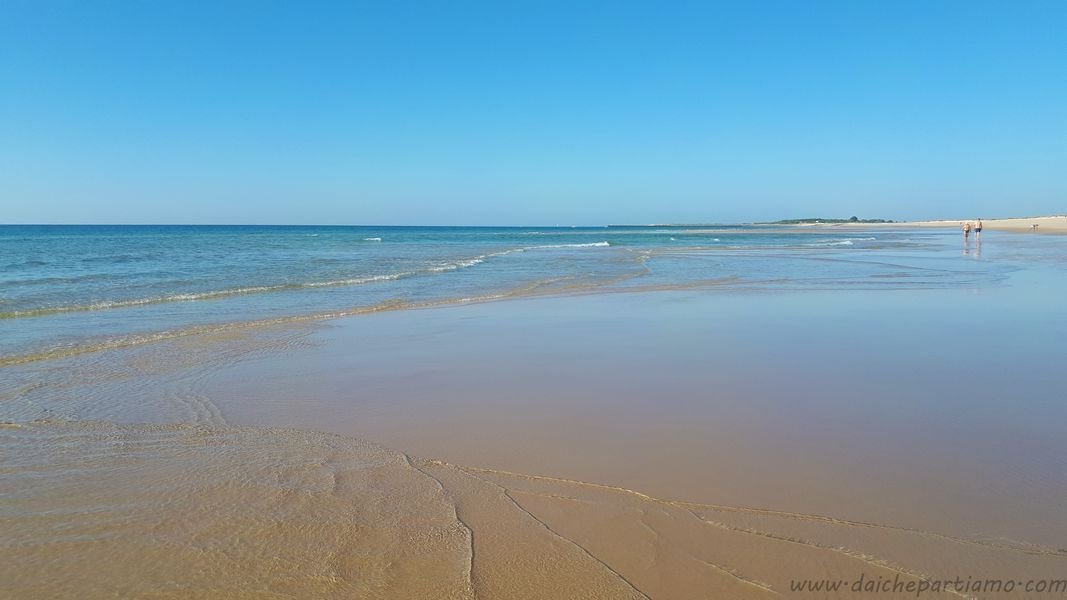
228, 512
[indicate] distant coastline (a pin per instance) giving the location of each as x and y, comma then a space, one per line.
1056, 224
818, 221
1053, 224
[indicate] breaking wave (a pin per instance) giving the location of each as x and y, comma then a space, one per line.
260, 289
843, 242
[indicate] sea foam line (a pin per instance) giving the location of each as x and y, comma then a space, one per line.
194, 296
842, 242
138, 339
243, 291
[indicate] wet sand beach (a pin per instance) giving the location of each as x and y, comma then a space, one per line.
709, 442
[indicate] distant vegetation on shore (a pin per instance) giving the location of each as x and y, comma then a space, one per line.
813, 221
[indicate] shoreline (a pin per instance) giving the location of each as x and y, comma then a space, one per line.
1056, 224
626, 489
620, 444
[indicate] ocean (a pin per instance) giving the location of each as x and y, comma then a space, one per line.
72, 289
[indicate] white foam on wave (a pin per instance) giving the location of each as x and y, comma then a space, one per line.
372, 239
462, 264
589, 245
133, 302
846, 241
358, 280
841, 242
241, 291
827, 244
470, 262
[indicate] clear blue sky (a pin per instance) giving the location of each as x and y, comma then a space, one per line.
453, 112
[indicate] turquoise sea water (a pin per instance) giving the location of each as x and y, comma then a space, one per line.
71, 289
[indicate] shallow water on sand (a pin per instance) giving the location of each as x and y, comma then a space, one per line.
183, 511
902, 408
714, 440
72, 289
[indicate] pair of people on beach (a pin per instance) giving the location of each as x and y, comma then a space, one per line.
977, 227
